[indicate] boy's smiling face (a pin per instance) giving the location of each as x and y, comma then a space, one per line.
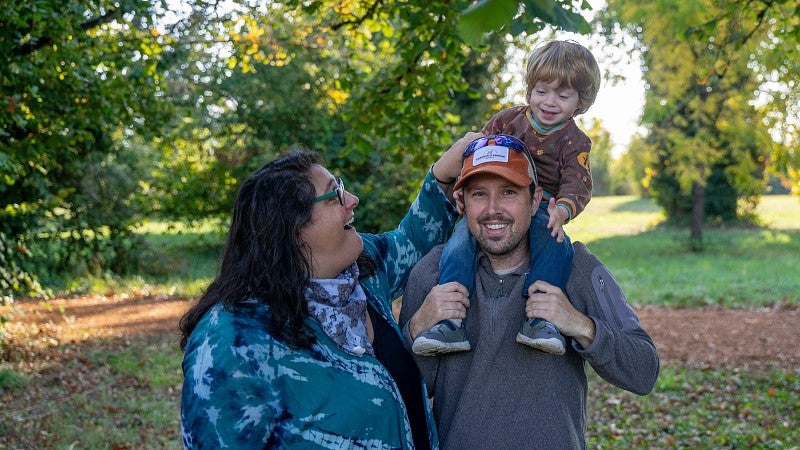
551, 105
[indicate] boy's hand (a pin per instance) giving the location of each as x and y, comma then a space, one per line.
558, 216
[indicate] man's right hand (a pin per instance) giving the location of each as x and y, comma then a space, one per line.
444, 301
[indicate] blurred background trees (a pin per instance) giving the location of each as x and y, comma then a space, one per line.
721, 101
112, 113
78, 84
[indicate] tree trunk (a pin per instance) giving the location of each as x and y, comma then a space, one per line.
698, 213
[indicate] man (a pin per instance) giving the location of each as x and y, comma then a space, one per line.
501, 394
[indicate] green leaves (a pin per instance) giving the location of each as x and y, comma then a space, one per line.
486, 16
76, 90
110, 113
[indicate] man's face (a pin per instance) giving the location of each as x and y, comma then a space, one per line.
498, 214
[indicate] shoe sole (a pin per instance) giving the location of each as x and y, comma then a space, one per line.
428, 347
551, 345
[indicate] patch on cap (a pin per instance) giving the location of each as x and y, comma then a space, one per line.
490, 153
501, 155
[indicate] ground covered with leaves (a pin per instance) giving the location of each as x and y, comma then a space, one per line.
104, 371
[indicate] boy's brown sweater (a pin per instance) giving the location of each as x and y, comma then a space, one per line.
562, 157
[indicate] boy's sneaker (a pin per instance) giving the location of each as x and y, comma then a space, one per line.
444, 337
541, 335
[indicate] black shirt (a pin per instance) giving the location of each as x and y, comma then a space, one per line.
391, 352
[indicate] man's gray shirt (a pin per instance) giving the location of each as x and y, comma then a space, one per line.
504, 395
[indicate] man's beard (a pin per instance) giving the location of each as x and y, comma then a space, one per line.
510, 242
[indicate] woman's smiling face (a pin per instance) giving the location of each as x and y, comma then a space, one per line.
331, 241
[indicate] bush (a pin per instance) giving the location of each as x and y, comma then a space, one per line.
14, 280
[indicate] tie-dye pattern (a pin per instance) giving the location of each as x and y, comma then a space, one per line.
244, 389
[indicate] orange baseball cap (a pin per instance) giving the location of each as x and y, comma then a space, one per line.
499, 154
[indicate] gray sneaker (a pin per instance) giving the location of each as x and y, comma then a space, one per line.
444, 337
541, 335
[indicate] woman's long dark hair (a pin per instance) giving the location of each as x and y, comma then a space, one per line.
263, 257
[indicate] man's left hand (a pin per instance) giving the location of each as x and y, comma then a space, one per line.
550, 303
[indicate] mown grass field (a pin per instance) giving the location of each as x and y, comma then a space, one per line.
740, 267
124, 393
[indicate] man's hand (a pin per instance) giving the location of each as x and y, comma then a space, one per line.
444, 301
558, 217
550, 303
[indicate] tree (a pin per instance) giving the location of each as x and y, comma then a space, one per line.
113, 111
706, 64
377, 86
600, 158
632, 173
76, 79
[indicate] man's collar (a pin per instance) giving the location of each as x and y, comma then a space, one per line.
483, 261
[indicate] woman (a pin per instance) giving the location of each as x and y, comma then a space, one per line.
294, 343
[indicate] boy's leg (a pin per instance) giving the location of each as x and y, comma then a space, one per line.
457, 264
458, 257
551, 261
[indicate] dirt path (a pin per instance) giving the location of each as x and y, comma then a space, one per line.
707, 337
715, 337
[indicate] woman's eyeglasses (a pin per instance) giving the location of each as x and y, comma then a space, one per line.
503, 140
338, 192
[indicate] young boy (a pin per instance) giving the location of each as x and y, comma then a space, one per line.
562, 80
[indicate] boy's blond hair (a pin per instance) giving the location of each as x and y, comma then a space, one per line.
570, 64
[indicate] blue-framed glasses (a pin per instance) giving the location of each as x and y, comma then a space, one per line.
503, 140
338, 192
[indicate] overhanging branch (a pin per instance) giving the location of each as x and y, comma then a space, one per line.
33, 45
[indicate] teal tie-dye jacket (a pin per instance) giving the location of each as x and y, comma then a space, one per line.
244, 389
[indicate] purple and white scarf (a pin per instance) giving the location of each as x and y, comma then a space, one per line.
340, 306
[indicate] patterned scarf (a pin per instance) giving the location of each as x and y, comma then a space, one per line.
340, 306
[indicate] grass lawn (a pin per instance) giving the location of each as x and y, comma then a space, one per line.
179, 260
99, 394
699, 408
740, 267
